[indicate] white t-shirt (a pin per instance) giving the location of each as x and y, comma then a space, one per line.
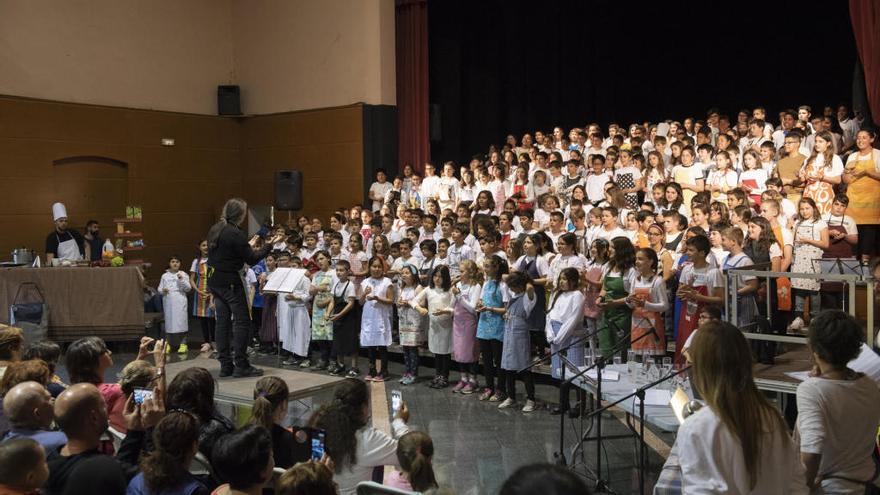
379, 190
759, 176
838, 419
847, 221
595, 186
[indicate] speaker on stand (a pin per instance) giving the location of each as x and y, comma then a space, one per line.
288, 190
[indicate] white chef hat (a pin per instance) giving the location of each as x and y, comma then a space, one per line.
59, 211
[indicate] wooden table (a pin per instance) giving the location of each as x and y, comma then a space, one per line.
103, 302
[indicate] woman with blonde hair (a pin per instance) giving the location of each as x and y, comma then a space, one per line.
738, 443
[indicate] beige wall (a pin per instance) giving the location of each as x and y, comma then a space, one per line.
156, 54
171, 54
300, 54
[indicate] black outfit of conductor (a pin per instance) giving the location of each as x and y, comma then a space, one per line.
225, 260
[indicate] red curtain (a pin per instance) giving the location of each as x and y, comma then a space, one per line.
865, 16
411, 21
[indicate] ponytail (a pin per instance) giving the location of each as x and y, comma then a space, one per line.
233, 214
269, 393
414, 453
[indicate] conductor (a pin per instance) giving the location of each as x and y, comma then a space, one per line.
228, 252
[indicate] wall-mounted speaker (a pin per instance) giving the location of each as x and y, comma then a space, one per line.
288, 190
228, 100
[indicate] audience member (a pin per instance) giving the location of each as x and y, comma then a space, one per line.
270, 407
837, 409
243, 461
415, 451
193, 390
355, 447
28, 406
79, 467
739, 442
23, 469
50, 352
164, 470
11, 341
307, 478
546, 479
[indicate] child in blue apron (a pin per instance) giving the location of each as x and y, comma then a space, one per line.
515, 355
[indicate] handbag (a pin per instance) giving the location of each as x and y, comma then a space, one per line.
32, 316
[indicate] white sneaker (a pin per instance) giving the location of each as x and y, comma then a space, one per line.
508, 402
796, 324
530, 406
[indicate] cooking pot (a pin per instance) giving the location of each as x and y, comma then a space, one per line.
23, 256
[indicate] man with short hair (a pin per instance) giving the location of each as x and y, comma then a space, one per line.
791, 163
79, 466
29, 408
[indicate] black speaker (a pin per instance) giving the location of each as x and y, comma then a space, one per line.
228, 100
288, 190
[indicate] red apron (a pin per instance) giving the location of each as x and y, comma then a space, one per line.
688, 322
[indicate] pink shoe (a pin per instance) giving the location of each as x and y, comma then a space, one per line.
458, 386
487, 393
469, 388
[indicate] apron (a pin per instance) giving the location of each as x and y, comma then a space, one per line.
616, 320
322, 329
464, 334
836, 249
202, 305
820, 192
269, 326
746, 307
574, 354
864, 202
642, 320
411, 323
425, 273
516, 350
538, 317
68, 250
626, 181
376, 316
490, 325
520, 204
688, 322
439, 327
591, 292
804, 254
345, 329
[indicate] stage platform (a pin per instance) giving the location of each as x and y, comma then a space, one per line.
240, 391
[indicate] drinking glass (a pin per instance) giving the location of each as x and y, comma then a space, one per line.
631, 365
617, 360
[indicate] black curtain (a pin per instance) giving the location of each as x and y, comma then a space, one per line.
499, 67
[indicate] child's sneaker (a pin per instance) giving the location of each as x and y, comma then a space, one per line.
508, 402
403, 378
183, 349
167, 348
408, 380
497, 397
307, 363
487, 393
530, 406
381, 377
796, 324
469, 388
458, 386
371, 375
353, 373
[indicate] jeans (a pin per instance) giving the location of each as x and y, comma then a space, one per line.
233, 326
411, 359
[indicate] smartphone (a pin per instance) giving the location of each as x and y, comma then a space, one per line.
318, 444
396, 401
142, 394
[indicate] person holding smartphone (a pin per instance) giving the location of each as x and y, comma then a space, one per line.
355, 447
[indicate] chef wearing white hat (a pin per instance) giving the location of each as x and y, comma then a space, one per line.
64, 244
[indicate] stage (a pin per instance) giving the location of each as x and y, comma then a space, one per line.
240, 391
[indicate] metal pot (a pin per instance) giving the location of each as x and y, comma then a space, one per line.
24, 256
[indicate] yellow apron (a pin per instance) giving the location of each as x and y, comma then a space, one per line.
864, 202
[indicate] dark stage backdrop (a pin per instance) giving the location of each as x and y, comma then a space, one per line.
499, 67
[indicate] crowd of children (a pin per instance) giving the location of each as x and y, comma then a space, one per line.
566, 243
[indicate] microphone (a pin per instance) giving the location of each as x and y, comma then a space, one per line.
691, 408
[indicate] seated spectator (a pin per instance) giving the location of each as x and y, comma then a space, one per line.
837, 409
193, 390
23, 469
88, 359
355, 447
34, 370
415, 450
164, 470
11, 342
270, 407
243, 461
51, 353
28, 406
739, 442
79, 467
546, 479
136, 374
312, 478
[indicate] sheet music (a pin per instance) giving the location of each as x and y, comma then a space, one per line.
607, 375
283, 280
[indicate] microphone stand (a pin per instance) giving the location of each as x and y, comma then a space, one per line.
601, 361
640, 393
579, 341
